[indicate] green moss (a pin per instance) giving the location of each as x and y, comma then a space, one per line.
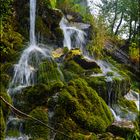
117, 88
36, 129
32, 96
97, 70
66, 50
48, 72
72, 53
130, 105
82, 105
122, 131
69, 75
2, 125
5, 79
109, 136
110, 74
7, 68
13, 133
73, 67
99, 84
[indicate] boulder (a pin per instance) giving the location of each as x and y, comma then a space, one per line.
78, 109
122, 128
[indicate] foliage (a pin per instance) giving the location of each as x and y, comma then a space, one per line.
119, 15
98, 37
81, 105
72, 6
5, 8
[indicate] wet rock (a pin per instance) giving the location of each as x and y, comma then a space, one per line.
108, 136
122, 128
58, 52
86, 64
78, 107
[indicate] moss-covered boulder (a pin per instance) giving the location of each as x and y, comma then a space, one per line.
34, 128
110, 91
86, 64
76, 55
109, 136
74, 67
79, 104
49, 72
125, 129
31, 97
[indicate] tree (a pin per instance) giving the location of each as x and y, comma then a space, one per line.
121, 14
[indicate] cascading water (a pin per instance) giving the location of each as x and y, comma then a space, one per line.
73, 37
25, 71
32, 22
71, 33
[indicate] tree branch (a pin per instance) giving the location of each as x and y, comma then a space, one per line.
15, 110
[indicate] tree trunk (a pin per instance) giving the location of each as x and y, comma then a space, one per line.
135, 29
130, 29
115, 17
117, 29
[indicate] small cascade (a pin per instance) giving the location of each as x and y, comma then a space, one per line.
109, 91
117, 118
73, 37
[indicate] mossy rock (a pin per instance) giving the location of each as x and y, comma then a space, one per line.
31, 97
130, 105
73, 67
84, 63
99, 84
72, 53
114, 89
68, 75
122, 130
109, 136
34, 128
81, 105
5, 79
48, 72
2, 125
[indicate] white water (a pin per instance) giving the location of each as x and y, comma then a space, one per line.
25, 70
73, 37
32, 22
117, 117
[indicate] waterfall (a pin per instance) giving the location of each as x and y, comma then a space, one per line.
73, 37
32, 22
25, 70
